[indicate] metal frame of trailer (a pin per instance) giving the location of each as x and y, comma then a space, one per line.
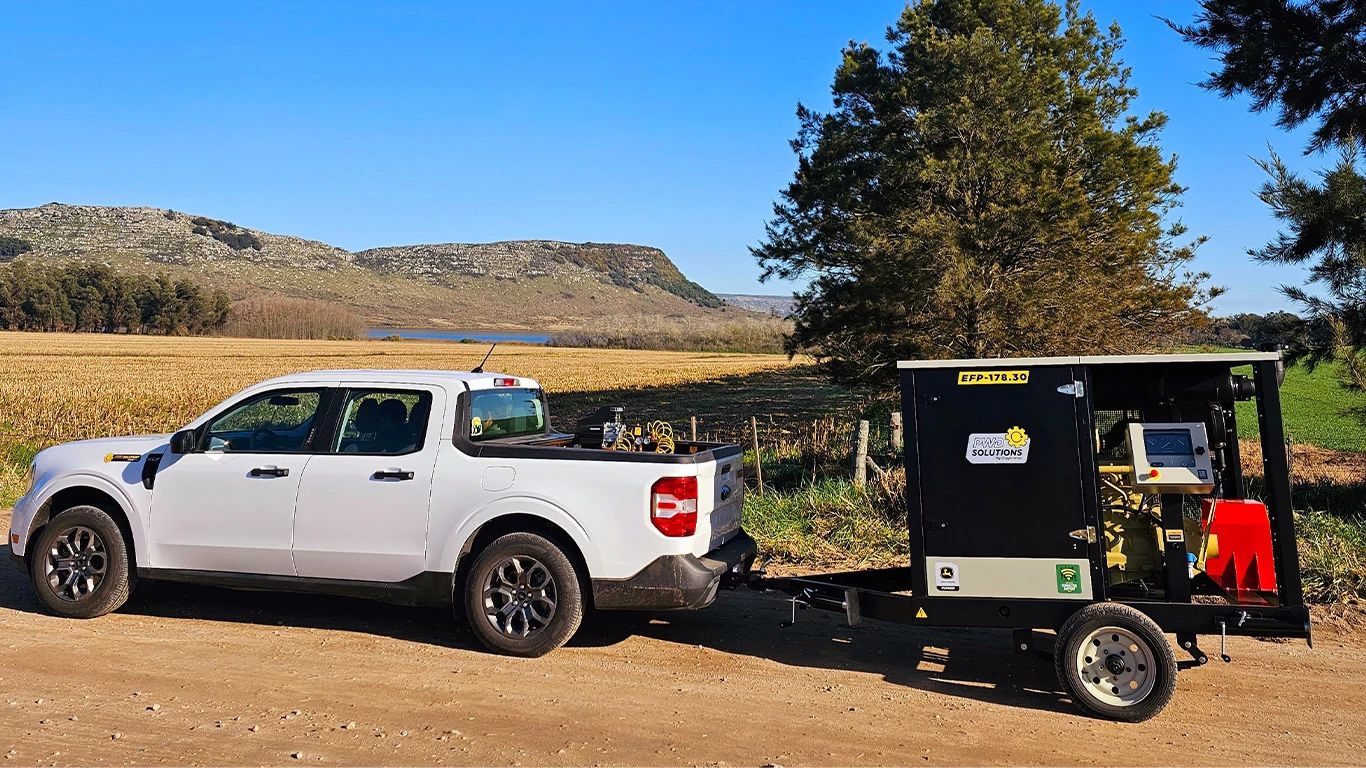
903, 594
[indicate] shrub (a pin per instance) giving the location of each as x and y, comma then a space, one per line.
13, 246
225, 232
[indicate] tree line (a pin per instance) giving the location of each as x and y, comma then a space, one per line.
92, 297
1248, 330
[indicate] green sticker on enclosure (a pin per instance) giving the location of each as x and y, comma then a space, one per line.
1069, 579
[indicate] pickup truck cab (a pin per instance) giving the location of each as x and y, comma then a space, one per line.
420, 487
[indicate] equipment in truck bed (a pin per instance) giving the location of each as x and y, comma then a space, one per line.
1094, 496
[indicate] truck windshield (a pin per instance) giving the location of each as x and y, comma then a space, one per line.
496, 413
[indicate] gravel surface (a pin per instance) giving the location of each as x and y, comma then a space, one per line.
192, 675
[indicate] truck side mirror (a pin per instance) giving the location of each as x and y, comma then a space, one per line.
184, 441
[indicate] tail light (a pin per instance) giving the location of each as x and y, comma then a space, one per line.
673, 505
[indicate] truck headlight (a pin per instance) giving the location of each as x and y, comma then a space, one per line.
30, 477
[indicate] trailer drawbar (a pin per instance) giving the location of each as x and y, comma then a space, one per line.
1101, 497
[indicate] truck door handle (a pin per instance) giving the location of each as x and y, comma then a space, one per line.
270, 472
392, 474
937, 525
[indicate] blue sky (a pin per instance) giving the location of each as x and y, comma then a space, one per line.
371, 124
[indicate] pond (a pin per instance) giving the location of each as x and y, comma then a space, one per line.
441, 334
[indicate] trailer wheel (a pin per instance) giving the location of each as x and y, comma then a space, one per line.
1115, 662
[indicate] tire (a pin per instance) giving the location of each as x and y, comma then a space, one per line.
523, 596
1115, 663
79, 564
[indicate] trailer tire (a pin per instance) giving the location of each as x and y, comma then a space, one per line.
523, 596
1115, 662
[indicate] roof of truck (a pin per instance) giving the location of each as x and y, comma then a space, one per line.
1236, 358
466, 379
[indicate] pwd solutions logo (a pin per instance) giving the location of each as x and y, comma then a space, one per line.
1008, 447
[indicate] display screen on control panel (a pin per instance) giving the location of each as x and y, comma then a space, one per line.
1170, 457
1169, 447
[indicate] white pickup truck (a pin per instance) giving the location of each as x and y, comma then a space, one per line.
420, 487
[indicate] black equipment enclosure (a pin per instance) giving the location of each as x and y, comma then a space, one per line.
1001, 462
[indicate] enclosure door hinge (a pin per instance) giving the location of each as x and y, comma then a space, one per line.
1076, 389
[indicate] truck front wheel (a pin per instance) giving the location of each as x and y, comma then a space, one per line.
522, 596
79, 564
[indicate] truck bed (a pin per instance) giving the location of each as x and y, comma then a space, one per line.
563, 446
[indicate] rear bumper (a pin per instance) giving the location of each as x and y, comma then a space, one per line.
678, 581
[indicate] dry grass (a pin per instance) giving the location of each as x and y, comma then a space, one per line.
287, 317
58, 387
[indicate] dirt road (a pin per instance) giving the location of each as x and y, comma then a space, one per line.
188, 675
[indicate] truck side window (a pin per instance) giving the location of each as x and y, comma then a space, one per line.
275, 422
383, 421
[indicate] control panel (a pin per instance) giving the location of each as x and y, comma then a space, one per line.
1171, 457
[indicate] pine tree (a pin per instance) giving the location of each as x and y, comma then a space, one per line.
981, 189
1307, 60
1303, 58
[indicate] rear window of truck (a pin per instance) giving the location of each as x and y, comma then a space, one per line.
499, 413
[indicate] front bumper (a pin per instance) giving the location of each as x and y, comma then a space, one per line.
678, 581
21, 518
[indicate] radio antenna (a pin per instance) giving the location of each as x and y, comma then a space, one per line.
480, 368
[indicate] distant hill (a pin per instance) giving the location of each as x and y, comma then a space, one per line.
778, 306
538, 284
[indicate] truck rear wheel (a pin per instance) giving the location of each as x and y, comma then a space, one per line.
79, 564
1115, 662
522, 596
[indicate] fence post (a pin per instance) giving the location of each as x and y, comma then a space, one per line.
896, 432
861, 455
693, 421
758, 463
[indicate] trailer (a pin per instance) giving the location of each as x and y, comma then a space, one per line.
1102, 497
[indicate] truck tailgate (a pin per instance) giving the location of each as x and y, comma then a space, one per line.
728, 492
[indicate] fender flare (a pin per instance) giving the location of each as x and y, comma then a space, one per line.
448, 557
81, 479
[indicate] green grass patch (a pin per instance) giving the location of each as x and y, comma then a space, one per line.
827, 523
1332, 557
1317, 409
14, 461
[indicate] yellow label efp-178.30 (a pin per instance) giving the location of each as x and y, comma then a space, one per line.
993, 377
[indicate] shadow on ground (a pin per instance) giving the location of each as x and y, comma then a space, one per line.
972, 664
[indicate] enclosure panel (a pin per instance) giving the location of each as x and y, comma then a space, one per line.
1009, 577
998, 460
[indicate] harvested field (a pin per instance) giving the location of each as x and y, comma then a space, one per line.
59, 387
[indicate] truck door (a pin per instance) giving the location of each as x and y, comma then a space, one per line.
229, 506
1000, 482
364, 499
